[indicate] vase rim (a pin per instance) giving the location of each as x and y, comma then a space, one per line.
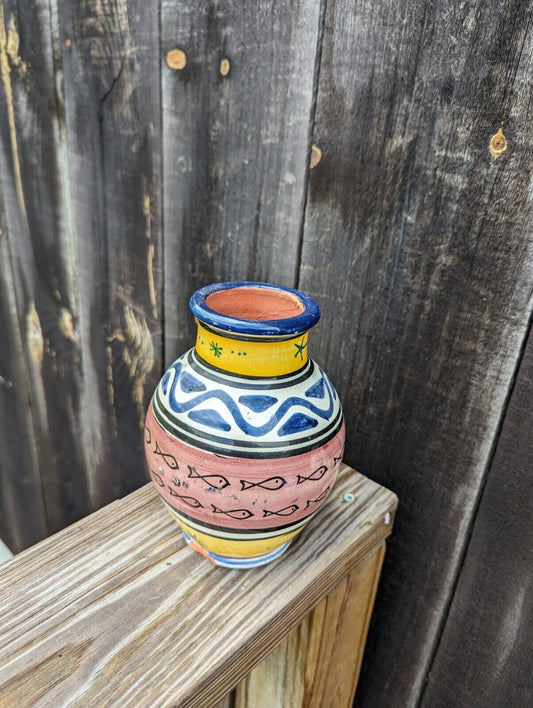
254, 308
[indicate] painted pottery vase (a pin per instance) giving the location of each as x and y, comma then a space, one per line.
244, 434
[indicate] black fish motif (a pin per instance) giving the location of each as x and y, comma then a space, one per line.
233, 513
315, 476
169, 459
217, 481
190, 501
272, 484
336, 460
318, 499
157, 478
286, 511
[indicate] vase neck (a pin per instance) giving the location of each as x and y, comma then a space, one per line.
251, 357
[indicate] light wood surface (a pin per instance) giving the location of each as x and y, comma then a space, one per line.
318, 663
116, 610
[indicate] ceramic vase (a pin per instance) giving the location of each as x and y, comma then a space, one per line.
244, 434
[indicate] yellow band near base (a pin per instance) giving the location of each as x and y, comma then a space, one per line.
232, 548
251, 358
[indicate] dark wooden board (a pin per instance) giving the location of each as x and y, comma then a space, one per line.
110, 63
417, 245
19, 478
47, 385
236, 147
487, 638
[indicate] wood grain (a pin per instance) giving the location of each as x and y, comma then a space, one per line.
226, 702
110, 62
426, 290
46, 386
115, 610
18, 454
126, 184
318, 663
236, 146
495, 586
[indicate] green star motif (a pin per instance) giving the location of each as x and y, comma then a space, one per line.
216, 349
300, 347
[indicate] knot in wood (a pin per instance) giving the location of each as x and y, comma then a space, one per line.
498, 143
176, 59
316, 156
224, 67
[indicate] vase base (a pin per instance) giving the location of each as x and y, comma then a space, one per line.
240, 563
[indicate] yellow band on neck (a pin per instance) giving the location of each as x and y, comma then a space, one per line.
252, 358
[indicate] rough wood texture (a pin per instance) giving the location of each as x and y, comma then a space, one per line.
117, 610
127, 183
318, 664
110, 62
236, 147
426, 296
43, 402
496, 582
18, 455
226, 702
80, 180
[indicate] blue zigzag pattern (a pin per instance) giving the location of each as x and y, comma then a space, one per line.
247, 428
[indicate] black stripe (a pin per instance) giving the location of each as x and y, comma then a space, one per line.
200, 365
214, 527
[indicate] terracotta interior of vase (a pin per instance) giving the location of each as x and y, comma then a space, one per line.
255, 304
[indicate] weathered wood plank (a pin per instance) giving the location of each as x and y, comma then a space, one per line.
42, 283
318, 663
110, 62
487, 636
19, 469
425, 290
226, 702
236, 146
116, 610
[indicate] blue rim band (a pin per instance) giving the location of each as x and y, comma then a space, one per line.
289, 325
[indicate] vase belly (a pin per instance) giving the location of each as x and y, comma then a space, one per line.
253, 463
244, 438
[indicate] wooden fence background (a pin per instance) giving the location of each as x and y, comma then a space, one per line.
126, 184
